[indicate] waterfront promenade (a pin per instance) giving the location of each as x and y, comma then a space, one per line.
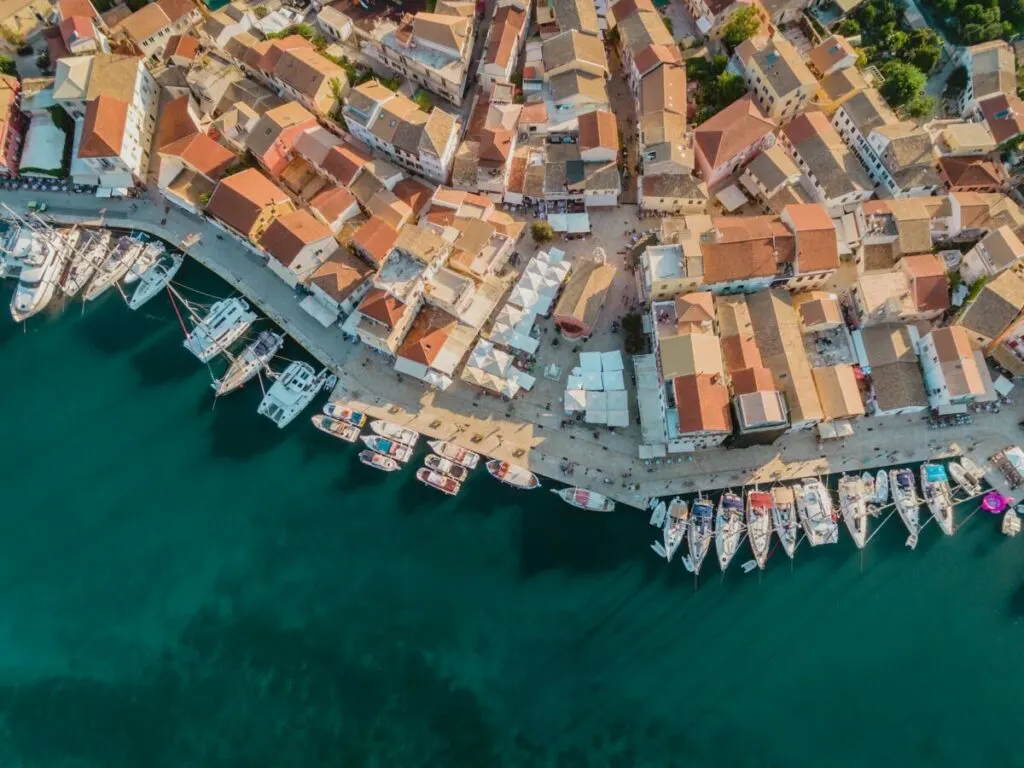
522, 432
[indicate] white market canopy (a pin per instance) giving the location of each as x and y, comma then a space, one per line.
492, 368
575, 400
613, 380
540, 282
590, 361
44, 146
612, 361
512, 329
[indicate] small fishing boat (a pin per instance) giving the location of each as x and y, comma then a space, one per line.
226, 321
446, 467
456, 453
126, 250
379, 461
853, 505
702, 517
815, 509
868, 482
388, 447
881, 494
904, 495
395, 432
510, 474
581, 498
335, 428
441, 482
659, 511
346, 414
960, 476
784, 516
253, 359
155, 279
759, 525
675, 527
150, 254
290, 393
728, 528
938, 496
86, 261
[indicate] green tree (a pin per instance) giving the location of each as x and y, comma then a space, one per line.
542, 232
727, 88
903, 82
423, 101
7, 66
848, 27
957, 80
742, 25
945, 7
260, 11
204, 198
921, 106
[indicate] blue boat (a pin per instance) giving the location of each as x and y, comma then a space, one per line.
386, 447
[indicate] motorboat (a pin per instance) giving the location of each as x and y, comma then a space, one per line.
973, 470
784, 517
702, 517
759, 525
23, 246
346, 414
379, 461
120, 259
446, 467
581, 498
815, 509
226, 321
659, 513
966, 481
155, 279
510, 474
728, 528
254, 358
881, 494
854, 508
335, 428
38, 282
395, 432
675, 527
86, 261
150, 254
449, 450
437, 480
938, 496
290, 393
868, 482
904, 496
388, 447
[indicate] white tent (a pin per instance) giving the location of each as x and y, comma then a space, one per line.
613, 380
540, 281
575, 400
558, 222
44, 146
612, 361
491, 368
592, 381
618, 408
512, 328
590, 361
577, 222
597, 408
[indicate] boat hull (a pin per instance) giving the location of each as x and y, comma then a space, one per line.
339, 429
152, 282
456, 453
509, 474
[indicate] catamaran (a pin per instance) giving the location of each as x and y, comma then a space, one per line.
155, 279
965, 480
904, 495
346, 414
702, 516
815, 509
395, 432
510, 474
38, 281
581, 498
388, 447
728, 528
379, 461
456, 453
439, 481
253, 359
226, 321
759, 525
291, 392
119, 260
339, 429
446, 467
938, 496
787, 526
675, 527
147, 259
85, 262
853, 505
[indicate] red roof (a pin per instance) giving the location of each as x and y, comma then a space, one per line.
375, 239
705, 404
333, 202
738, 126
427, 336
103, 132
598, 129
344, 162
382, 307
77, 28
287, 235
413, 193
202, 153
1004, 115
181, 46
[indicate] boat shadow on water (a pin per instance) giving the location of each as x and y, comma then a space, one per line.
157, 366
236, 430
108, 325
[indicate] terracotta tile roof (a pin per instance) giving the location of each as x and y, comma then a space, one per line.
746, 381
344, 162
427, 336
655, 55
598, 129
181, 46
239, 199
817, 242
382, 307
145, 23
305, 70
706, 404
534, 114
732, 130
103, 131
175, 122
333, 202
838, 391
75, 28
998, 304
443, 30
972, 172
743, 247
830, 52
1004, 115
413, 193
495, 145
508, 22
69, 8
341, 275
177, 9
201, 153
375, 239
928, 280
664, 90
287, 235
273, 123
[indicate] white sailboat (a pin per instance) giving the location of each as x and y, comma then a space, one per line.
38, 279
149, 256
904, 495
291, 392
85, 261
815, 509
938, 496
784, 517
854, 508
253, 359
728, 528
126, 250
226, 321
702, 517
155, 279
675, 527
759, 525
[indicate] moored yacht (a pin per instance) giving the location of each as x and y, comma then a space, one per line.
335, 428
155, 279
344, 413
938, 496
290, 393
904, 496
38, 281
702, 517
449, 450
395, 432
854, 508
446, 467
510, 474
581, 498
253, 359
675, 527
126, 250
784, 517
146, 260
388, 447
85, 261
226, 321
759, 525
728, 528
815, 509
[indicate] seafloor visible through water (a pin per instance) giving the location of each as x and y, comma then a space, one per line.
182, 584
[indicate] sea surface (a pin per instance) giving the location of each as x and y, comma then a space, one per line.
182, 584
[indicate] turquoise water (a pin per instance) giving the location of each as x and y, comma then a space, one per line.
183, 585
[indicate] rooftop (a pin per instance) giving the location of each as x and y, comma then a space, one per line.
732, 130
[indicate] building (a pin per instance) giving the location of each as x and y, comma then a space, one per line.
992, 318
149, 28
674, 269
1003, 115
598, 137
774, 179
713, 15
857, 117
917, 289
954, 371
233, 19
12, 125
246, 203
991, 71
337, 286
334, 206
838, 392
1000, 249
373, 241
298, 244
902, 158
643, 38
579, 307
272, 140
776, 75
833, 54
665, 147
731, 139
972, 174
887, 354
557, 16
506, 35
676, 193
836, 89
190, 162
816, 254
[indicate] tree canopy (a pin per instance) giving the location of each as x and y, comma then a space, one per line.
742, 25
7, 66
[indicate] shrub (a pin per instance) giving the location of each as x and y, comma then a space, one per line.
542, 232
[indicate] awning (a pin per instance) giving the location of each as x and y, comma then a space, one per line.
575, 400
577, 222
558, 222
320, 311
1003, 385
